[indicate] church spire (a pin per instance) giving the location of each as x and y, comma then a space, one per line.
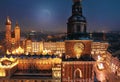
8, 21
77, 0
17, 23
77, 7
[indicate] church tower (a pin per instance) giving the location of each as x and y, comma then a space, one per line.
76, 26
8, 32
77, 64
17, 34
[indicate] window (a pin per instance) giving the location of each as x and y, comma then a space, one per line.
77, 73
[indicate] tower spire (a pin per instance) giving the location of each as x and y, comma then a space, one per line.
77, 0
8, 21
17, 23
77, 7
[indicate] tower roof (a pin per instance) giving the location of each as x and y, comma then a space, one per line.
8, 21
17, 25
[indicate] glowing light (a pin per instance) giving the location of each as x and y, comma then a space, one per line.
57, 74
57, 60
13, 60
7, 52
60, 55
2, 73
100, 66
19, 50
99, 58
27, 53
101, 77
46, 52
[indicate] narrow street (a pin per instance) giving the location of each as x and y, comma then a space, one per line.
105, 75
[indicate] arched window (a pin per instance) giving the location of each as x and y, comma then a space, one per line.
77, 73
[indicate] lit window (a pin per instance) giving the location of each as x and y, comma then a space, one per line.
77, 73
2, 73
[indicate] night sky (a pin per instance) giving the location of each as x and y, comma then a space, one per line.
52, 15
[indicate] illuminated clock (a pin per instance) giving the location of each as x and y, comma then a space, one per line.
78, 49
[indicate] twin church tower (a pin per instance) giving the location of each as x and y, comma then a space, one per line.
12, 37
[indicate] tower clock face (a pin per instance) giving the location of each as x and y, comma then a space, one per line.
78, 49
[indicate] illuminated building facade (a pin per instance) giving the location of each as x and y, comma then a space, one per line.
108, 58
78, 61
33, 47
55, 47
28, 46
99, 48
40, 47
12, 37
30, 69
115, 66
